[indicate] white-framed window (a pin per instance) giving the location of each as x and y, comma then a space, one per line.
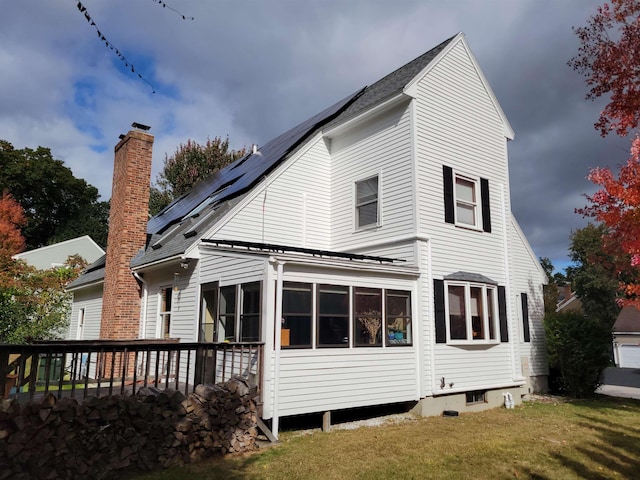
164, 314
367, 201
208, 312
467, 198
344, 316
80, 329
471, 313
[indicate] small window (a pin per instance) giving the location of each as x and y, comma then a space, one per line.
476, 397
227, 314
471, 310
165, 312
250, 316
296, 315
208, 312
466, 201
80, 331
368, 316
333, 316
367, 208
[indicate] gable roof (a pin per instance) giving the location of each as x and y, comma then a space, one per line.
56, 254
628, 321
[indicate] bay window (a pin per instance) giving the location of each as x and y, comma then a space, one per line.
471, 312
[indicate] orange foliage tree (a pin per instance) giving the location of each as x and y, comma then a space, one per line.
12, 219
609, 57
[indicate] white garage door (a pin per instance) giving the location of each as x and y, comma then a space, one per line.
629, 356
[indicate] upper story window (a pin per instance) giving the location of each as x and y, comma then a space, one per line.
367, 202
466, 200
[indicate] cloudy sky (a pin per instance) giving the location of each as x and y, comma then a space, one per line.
251, 69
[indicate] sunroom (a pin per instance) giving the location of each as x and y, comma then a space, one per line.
340, 330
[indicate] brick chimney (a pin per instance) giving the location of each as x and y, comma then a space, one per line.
127, 234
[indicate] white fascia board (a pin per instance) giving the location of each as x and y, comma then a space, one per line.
86, 285
366, 115
412, 86
158, 263
254, 192
532, 254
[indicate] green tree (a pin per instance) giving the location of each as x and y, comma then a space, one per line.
33, 303
595, 274
189, 164
58, 206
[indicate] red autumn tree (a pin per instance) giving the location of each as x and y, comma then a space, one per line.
12, 218
609, 57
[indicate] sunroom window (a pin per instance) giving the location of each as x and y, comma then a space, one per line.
296, 314
333, 316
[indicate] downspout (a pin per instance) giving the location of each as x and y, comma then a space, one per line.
277, 347
142, 326
507, 272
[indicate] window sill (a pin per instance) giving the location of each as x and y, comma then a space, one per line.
367, 228
473, 228
471, 343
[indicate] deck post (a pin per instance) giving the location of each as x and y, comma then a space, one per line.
326, 421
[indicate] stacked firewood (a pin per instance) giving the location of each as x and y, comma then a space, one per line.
102, 437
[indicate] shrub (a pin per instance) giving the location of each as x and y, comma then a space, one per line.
579, 349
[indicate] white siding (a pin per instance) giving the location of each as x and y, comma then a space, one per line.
329, 379
232, 269
458, 125
381, 146
184, 304
293, 209
91, 300
527, 278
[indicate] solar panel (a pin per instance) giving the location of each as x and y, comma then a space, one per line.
245, 172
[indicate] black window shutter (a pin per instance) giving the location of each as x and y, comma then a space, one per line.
447, 176
438, 301
486, 209
525, 317
502, 310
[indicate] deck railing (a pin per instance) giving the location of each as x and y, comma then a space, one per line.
111, 367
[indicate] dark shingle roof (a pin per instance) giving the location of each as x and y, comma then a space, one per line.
92, 274
628, 321
470, 277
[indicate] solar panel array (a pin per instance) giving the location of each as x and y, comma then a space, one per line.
244, 173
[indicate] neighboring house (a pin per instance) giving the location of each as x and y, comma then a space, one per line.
56, 255
371, 248
626, 338
570, 303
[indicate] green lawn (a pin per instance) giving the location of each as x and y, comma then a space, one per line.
595, 439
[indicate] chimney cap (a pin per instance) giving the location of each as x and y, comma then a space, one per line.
140, 126
121, 136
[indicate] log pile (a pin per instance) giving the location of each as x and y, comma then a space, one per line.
104, 437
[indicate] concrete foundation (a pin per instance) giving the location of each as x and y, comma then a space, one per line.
434, 406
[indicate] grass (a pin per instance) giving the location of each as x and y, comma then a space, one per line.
594, 439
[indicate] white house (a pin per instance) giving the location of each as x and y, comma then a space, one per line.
371, 248
55, 255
